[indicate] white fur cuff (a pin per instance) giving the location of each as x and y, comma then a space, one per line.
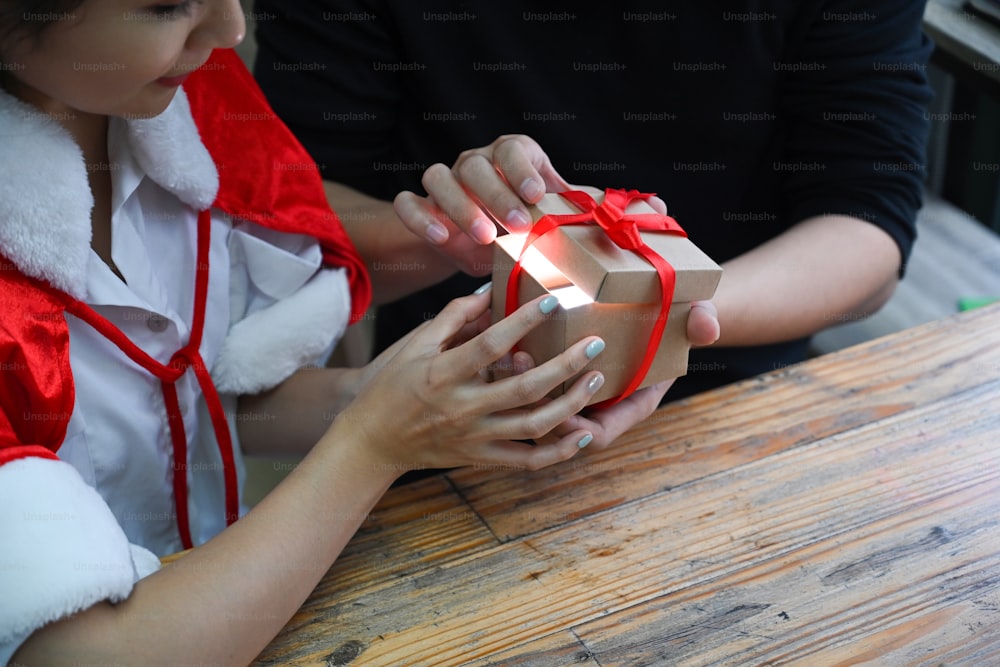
269, 345
61, 549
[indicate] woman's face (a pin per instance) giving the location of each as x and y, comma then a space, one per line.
118, 57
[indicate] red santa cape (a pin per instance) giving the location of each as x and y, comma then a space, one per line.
265, 175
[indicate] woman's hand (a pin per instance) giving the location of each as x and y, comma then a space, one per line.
425, 402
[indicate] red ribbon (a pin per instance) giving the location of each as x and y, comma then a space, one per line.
623, 229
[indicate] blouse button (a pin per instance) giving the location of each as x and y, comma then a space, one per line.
157, 323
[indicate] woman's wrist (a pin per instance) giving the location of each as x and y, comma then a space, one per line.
350, 440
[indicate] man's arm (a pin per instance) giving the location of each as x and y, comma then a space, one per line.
398, 261
824, 271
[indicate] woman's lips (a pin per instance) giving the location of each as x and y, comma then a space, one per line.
171, 81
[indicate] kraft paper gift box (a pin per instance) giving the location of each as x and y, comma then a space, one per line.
603, 289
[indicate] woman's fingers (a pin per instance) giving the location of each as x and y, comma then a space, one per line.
540, 419
462, 404
511, 455
513, 407
535, 384
492, 344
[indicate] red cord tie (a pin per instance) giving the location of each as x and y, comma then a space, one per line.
185, 358
624, 229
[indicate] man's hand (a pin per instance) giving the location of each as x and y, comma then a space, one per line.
485, 187
607, 424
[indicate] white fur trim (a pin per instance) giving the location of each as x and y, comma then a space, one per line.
269, 345
145, 561
169, 150
61, 551
45, 198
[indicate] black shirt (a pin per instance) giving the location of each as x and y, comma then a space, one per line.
746, 118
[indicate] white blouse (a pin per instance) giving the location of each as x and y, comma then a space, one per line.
118, 438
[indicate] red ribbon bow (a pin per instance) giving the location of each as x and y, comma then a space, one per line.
624, 230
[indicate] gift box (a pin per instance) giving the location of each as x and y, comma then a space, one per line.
609, 258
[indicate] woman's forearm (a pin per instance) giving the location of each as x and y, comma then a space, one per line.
223, 602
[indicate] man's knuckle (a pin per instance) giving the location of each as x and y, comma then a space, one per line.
433, 175
472, 167
465, 169
465, 155
507, 138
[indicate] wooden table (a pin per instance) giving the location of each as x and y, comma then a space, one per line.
841, 511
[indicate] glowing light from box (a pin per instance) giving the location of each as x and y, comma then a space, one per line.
550, 277
571, 297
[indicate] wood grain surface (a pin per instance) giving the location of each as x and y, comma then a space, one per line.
843, 511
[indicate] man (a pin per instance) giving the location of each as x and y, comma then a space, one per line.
787, 138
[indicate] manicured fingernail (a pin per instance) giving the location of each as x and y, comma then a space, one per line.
594, 348
595, 383
483, 231
436, 233
548, 304
585, 440
518, 221
483, 289
531, 189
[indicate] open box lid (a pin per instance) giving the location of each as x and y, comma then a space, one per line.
609, 274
